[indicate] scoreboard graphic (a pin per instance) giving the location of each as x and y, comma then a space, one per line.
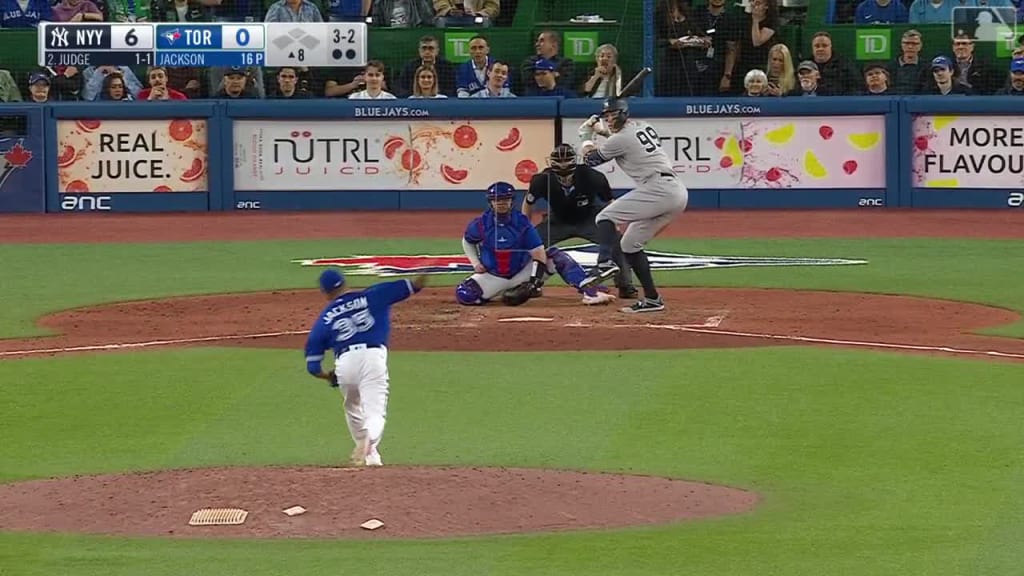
273, 44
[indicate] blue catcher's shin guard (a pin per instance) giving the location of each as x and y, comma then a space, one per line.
568, 268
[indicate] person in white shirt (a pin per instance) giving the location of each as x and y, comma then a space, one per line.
497, 74
373, 75
425, 84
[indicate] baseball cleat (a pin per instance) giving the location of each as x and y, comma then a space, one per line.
628, 293
645, 305
600, 272
597, 298
360, 453
373, 459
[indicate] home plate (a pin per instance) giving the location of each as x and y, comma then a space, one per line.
525, 319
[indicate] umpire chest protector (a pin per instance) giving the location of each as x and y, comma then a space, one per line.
571, 204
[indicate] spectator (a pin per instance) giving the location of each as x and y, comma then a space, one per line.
337, 82
236, 85
177, 11
838, 77
547, 47
876, 80
39, 87
347, 10
24, 14
935, 11
95, 78
114, 88
128, 10
426, 83
757, 34
781, 76
76, 11
471, 76
466, 12
429, 56
293, 11
681, 38
943, 75
755, 83
977, 75
545, 74
373, 74
65, 82
881, 12
9, 91
606, 77
158, 88
497, 82
1016, 85
809, 78
907, 73
720, 36
287, 85
402, 13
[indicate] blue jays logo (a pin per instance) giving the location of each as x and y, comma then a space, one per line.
585, 254
12, 157
172, 36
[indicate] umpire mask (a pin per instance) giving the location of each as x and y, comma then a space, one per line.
563, 164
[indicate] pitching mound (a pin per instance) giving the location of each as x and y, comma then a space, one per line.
695, 318
412, 502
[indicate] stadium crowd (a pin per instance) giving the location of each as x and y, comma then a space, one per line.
713, 49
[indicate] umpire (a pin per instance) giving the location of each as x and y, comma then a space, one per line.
572, 191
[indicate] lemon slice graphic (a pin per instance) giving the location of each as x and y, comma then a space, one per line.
732, 150
865, 140
781, 135
947, 183
813, 166
943, 121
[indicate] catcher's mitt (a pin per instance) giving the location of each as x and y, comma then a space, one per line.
518, 294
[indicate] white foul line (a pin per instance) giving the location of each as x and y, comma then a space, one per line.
707, 328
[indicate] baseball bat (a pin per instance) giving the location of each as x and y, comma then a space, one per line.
634, 84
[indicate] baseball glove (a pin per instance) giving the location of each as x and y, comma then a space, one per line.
518, 294
333, 379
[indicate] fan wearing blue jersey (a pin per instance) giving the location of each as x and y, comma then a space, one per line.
509, 259
356, 326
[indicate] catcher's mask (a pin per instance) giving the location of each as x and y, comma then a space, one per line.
500, 195
562, 161
615, 113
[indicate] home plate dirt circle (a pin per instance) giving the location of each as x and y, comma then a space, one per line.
411, 502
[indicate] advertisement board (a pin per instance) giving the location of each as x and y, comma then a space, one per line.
310, 155
113, 156
841, 152
967, 152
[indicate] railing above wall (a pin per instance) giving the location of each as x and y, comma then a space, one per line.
440, 154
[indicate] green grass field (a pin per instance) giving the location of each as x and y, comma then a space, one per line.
869, 463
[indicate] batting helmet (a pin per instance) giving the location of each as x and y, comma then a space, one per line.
615, 112
500, 191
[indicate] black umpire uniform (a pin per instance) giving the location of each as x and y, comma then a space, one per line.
572, 207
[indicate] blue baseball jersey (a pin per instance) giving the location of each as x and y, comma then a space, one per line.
504, 243
362, 317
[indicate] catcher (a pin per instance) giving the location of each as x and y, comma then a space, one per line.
572, 191
509, 259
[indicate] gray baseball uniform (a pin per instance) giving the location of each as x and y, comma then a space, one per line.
659, 196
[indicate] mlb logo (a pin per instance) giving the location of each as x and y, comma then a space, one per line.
987, 24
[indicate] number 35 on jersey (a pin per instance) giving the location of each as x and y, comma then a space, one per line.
320, 45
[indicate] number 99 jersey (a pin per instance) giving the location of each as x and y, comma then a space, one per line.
636, 149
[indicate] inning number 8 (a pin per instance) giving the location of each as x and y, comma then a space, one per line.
649, 139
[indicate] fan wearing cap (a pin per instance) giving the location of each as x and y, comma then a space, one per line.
545, 74
39, 87
547, 46
808, 81
876, 80
1016, 85
236, 85
943, 79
